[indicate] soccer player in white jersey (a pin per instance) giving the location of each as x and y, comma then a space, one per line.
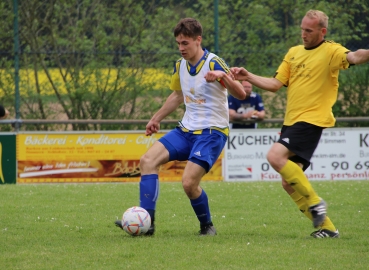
201, 80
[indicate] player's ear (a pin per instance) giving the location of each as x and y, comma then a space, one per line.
199, 39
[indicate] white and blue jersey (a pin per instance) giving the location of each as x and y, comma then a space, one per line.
203, 131
206, 103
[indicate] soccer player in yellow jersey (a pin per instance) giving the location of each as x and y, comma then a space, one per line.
310, 73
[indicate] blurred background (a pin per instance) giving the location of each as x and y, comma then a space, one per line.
112, 59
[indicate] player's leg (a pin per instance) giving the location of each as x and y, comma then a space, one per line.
295, 177
299, 200
303, 206
199, 200
327, 228
278, 158
149, 184
172, 146
204, 154
297, 144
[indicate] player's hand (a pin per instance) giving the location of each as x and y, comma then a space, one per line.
239, 73
214, 75
152, 127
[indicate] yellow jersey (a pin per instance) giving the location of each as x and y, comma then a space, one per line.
311, 78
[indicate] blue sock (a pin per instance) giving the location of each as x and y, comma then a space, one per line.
149, 192
201, 208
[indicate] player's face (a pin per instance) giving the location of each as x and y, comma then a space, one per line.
189, 48
311, 33
247, 87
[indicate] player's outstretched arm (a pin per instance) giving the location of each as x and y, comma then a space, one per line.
233, 86
173, 101
239, 73
358, 57
269, 84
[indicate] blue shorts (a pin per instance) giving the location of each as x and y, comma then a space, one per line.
202, 149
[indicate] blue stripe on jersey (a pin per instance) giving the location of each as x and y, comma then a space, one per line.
219, 64
176, 66
215, 64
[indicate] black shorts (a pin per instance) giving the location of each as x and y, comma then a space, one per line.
302, 139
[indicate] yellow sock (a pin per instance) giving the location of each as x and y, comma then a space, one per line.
328, 224
304, 208
295, 176
301, 204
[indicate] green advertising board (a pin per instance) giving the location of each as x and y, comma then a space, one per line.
8, 170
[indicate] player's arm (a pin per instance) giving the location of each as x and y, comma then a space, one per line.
171, 104
358, 57
269, 84
233, 86
219, 71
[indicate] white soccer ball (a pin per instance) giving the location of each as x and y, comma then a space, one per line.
136, 221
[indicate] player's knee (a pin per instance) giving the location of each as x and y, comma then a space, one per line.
147, 163
189, 188
272, 158
277, 159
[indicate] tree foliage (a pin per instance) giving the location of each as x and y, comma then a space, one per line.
90, 59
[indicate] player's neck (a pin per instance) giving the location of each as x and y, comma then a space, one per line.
199, 54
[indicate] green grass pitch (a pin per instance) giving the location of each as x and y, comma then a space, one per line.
71, 226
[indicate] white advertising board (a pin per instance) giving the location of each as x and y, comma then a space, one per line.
342, 154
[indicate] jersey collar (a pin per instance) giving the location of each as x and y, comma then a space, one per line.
312, 48
193, 70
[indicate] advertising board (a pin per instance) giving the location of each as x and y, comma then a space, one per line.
86, 157
342, 154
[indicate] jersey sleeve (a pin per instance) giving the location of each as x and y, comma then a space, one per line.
339, 57
283, 71
218, 63
175, 83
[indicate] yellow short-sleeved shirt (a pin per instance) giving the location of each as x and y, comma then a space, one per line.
311, 78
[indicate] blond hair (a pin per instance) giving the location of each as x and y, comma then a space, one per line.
320, 15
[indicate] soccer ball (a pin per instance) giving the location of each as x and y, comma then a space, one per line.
136, 221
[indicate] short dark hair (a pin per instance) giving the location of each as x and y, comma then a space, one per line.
188, 27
